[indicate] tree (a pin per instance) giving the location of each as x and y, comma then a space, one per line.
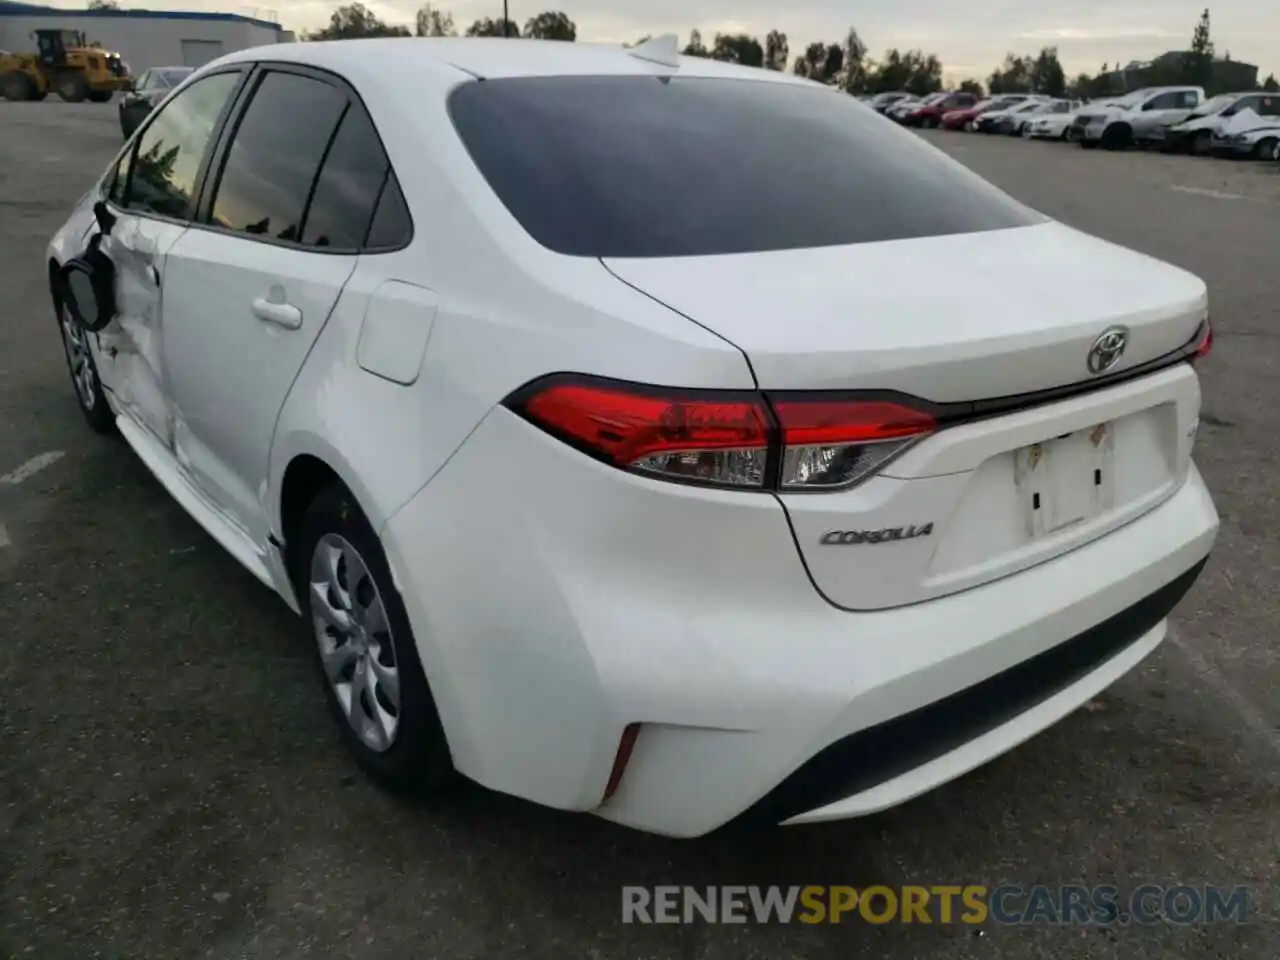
775, 51
821, 62
1198, 63
355, 21
103, 5
738, 48
488, 27
913, 71
431, 22
853, 74
1014, 76
1047, 76
695, 47
1082, 87
552, 25
1271, 85
972, 86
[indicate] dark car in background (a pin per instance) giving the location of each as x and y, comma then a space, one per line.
147, 91
929, 114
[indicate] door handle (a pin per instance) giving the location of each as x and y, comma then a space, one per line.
281, 314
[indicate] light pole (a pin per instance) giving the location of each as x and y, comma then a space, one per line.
505, 20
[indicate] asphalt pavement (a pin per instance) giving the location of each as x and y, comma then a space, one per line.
171, 785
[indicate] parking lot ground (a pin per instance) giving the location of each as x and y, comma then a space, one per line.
171, 786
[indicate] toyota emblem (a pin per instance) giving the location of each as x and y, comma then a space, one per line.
1107, 349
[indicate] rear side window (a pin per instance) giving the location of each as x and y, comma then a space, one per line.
391, 226
160, 173
349, 184
623, 166
275, 156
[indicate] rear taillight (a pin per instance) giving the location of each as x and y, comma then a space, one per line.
1204, 342
742, 440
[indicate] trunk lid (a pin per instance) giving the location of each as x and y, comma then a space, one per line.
958, 319
953, 318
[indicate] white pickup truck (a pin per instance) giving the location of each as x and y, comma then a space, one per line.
1139, 117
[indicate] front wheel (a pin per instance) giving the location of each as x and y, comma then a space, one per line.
100, 96
366, 653
84, 373
72, 88
1117, 137
1267, 149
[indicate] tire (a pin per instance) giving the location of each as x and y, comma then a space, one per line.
17, 86
100, 96
337, 546
71, 87
1265, 149
1199, 145
1087, 144
86, 384
928, 123
1118, 136
968, 126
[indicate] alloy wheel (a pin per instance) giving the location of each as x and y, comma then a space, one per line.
355, 641
76, 343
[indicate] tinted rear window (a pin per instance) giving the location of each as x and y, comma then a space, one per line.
647, 167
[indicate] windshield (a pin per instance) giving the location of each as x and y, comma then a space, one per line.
1214, 105
1027, 107
628, 166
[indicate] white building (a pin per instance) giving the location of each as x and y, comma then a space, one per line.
143, 38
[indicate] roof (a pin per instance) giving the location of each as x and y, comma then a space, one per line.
13, 8
493, 58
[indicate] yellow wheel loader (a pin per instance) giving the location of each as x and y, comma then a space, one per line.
63, 64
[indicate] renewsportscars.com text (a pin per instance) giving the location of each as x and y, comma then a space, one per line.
938, 904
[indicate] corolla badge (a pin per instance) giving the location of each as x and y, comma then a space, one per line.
848, 538
1108, 349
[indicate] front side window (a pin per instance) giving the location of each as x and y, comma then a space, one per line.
629, 166
162, 168
275, 156
1268, 106
1164, 101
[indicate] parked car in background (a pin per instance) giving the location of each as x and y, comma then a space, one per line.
904, 106
147, 91
993, 121
1195, 134
1019, 123
883, 101
964, 118
1138, 118
1248, 136
1053, 125
929, 114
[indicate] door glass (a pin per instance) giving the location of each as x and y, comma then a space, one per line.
1165, 101
1268, 106
167, 158
275, 156
391, 225
348, 188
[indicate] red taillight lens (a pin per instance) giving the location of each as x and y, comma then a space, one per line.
1204, 346
738, 439
833, 443
705, 438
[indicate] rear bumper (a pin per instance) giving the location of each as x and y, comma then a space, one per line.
555, 601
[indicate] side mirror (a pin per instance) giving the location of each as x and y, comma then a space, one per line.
88, 290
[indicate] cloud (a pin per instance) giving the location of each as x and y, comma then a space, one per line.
1093, 34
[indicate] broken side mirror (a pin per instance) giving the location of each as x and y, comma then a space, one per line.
88, 289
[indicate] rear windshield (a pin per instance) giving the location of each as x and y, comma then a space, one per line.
626, 166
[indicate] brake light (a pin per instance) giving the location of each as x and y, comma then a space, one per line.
740, 440
719, 439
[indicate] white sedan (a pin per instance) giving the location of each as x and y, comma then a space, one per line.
610, 463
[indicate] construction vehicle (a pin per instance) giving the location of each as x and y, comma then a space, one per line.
63, 64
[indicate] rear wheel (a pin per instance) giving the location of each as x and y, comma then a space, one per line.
1199, 145
366, 653
72, 87
1117, 137
1267, 149
17, 86
100, 96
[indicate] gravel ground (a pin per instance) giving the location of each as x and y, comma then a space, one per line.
171, 786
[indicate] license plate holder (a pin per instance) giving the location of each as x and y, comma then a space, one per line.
1066, 480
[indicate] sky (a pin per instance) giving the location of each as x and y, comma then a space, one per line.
970, 37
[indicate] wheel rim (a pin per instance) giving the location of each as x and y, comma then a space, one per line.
356, 647
76, 342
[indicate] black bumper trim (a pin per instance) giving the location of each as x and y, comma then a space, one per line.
877, 754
